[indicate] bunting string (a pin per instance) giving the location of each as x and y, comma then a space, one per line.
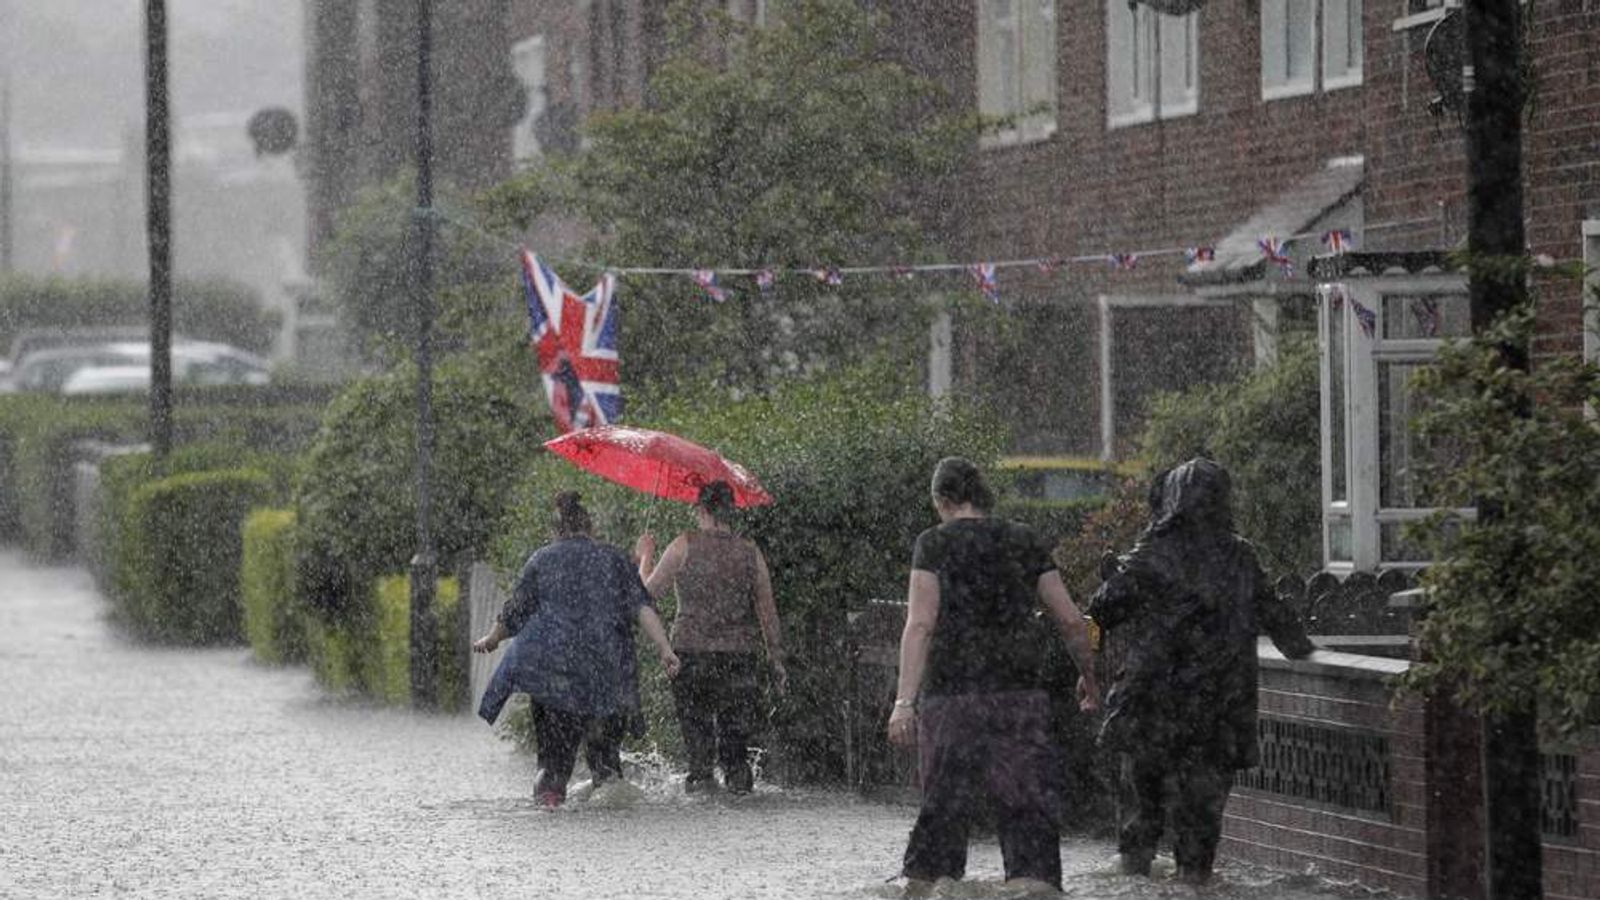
712, 280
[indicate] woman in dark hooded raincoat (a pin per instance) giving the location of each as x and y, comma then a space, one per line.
572, 611
1190, 598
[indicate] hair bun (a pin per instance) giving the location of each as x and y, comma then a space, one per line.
569, 501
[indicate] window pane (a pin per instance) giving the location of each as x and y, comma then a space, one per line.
1404, 460
1178, 43
1341, 40
1038, 94
1122, 60
997, 58
1299, 32
1339, 539
1424, 316
1394, 546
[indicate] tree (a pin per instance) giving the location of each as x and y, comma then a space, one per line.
1509, 622
805, 148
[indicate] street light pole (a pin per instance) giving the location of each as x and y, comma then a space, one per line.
424, 565
1495, 96
158, 224
7, 242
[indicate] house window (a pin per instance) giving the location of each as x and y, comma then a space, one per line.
528, 62
1376, 334
1152, 64
1017, 67
1293, 63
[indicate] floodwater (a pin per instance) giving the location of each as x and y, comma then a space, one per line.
130, 770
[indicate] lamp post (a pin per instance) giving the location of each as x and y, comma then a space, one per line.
158, 223
424, 564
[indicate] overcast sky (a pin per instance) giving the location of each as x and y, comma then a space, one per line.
78, 64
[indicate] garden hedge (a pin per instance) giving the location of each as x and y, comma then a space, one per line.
272, 612
214, 309
366, 649
183, 583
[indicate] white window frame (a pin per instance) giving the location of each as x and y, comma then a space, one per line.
1147, 55
524, 140
1276, 83
1026, 24
1359, 365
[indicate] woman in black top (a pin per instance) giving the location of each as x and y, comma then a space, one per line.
970, 687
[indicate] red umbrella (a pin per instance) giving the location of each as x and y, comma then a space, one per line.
655, 462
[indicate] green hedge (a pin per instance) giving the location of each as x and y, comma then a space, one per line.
272, 612
37, 434
182, 584
333, 650
386, 674
214, 309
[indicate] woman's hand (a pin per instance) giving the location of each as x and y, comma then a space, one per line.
486, 644
671, 663
644, 549
903, 725
1088, 694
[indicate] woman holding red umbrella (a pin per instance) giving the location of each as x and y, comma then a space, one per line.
725, 613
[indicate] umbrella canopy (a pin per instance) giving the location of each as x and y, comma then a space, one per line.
656, 463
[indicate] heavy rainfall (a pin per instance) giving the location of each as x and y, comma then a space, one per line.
800, 448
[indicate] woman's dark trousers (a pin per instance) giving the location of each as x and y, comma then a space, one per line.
1199, 795
715, 694
559, 733
973, 746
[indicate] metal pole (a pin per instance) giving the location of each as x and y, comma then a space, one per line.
1495, 99
158, 223
424, 565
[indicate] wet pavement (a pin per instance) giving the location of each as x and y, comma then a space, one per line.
140, 771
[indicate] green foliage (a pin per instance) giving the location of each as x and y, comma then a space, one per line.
357, 497
847, 459
370, 262
386, 668
272, 611
215, 309
805, 147
1264, 429
1509, 622
183, 584
333, 650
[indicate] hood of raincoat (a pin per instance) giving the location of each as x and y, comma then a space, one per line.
1195, 497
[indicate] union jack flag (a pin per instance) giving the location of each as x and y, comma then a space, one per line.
1276, 251
983, 274
1123, 262
829, 276
1337, 240
902, 272
575, 339
707, 280
1049, 264
1426, 309
765, 279
1366, 317
1194, 255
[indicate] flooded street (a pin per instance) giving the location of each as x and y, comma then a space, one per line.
129, 770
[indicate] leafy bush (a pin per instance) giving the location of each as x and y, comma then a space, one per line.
333, 650
183, 584
1510, 623
272, 611
215, 309
1264, 429
386, 670
847, 459
365, 451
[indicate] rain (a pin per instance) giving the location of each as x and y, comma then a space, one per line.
799, 448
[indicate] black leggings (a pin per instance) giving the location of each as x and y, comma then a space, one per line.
1198, 794
715, 694
559, 733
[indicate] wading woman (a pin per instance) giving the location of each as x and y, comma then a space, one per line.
572, 612
970, 692
726, 614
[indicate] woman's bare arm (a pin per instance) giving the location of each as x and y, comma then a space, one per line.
659, 578
922, 614
1074, 631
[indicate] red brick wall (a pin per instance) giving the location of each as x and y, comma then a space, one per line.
1388, 851
1572, 868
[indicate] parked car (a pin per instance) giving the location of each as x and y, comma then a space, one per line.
97, 380
193, 362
